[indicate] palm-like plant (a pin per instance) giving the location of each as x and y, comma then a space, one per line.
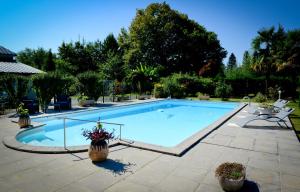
142, 77
267, 46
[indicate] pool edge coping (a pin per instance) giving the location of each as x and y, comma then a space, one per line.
178, 150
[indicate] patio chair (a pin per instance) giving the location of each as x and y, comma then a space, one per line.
62, 102
277, 106
277, 117
31, 104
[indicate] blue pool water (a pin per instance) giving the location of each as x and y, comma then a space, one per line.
165, 123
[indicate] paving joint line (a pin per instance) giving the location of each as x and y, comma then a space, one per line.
131, 174
239, 148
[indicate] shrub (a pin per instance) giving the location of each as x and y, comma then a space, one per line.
47, 85
90, 84
202, 96
159, 91
206, 85
272, 93
181, 85
172, 87
223, 90
15, 86
260, 98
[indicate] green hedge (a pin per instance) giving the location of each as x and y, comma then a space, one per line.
16, 86
90, 84
47, 85
183, 85
242, 87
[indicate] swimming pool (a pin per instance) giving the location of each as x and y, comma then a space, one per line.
164, 123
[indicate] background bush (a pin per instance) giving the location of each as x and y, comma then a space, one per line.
47, 85
260, 98
159, 91
90, 84
223, 90
15, 86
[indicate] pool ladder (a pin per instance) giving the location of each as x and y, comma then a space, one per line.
108, 123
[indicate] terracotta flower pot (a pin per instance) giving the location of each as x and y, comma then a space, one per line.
98, 152
24, 121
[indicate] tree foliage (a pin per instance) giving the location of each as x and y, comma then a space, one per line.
110, 46
142, 77
47, 85
276, 52
81, 56
113, 67
90, 84
160, 36
16, 86
267, 46
232, 64
39, 58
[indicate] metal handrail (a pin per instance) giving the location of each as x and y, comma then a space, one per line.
64, 122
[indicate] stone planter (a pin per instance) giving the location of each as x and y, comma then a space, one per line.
203, 97
24, 121
231, 184
86, 102
266, 111
98, 153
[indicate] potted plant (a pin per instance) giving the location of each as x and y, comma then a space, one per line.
84, 100
231, 176
266, 108
24, 118
98, 150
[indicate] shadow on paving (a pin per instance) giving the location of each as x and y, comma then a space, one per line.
249, 186
103, 105
268, 127
115, 166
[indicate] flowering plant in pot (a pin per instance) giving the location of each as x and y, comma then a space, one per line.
231, 176
24, 118
98, 150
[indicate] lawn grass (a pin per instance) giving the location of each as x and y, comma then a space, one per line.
295, 116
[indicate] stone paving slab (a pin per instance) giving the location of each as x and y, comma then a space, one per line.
271, 156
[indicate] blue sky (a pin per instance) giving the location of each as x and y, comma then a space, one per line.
46, 23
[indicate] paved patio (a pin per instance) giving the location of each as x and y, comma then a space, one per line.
270, 154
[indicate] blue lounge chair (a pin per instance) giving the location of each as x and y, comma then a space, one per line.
278, 118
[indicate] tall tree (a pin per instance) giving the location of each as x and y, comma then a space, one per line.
26, 56
113, 67
231, 62
246, 59
36, 58
81, 56
266, 45
40, 58
110, 46
50, 62
288, 60
161, 36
